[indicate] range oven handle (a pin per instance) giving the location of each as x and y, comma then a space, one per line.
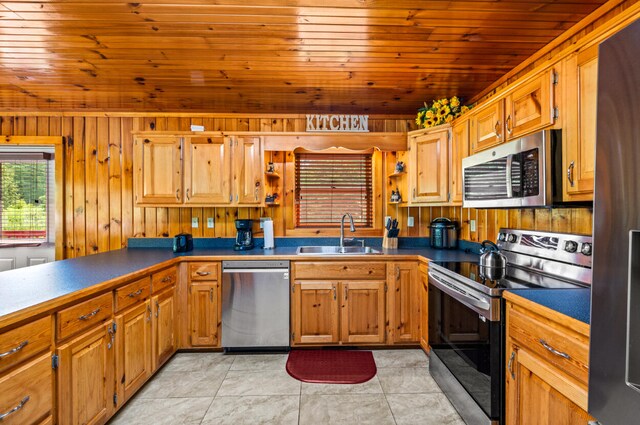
477, 304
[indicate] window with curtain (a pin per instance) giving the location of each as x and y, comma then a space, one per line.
329, 185
24, 186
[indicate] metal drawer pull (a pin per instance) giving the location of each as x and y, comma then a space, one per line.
14, 350
510, 365
90, 315
15, 409
135, 294
149, 311
157, 308
553, 350
167, 279
203, 273
570, 173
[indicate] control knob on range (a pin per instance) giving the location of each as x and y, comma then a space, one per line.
502, 236
586, 248
570, 246
513, 238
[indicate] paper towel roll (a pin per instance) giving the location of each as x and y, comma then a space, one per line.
268, 234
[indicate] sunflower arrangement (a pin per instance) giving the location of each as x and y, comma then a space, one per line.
441, 111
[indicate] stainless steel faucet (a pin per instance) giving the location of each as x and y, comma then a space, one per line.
352, 229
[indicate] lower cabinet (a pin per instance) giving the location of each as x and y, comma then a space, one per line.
203, 313
403, 302
27, 393
133, 355
332, 312
86, 376
424, 306
163, 306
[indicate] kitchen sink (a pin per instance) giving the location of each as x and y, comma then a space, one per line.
336, 250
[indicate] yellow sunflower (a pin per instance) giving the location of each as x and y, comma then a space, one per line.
429, 114
444, 101
420, 117
443, 112
429, 123
455, 102
436, 104
449, 118
464, 109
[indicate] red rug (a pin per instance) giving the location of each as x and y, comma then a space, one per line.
331, 366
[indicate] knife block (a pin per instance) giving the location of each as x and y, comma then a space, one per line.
389, 243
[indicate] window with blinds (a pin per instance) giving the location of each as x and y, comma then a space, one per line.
24, 185
330, 185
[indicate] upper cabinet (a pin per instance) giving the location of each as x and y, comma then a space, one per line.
459, 149
218, 170
579, 136
527, 108
429, 166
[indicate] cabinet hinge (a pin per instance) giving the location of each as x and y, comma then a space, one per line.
293, 336
293, 288
385, 287
555, 78
449, 197
115, 399
55, 362
114, 327
556, 113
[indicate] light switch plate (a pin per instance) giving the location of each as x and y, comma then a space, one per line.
194, 221
210, 223
410, 222
472, 225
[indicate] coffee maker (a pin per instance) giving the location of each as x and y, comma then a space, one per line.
244, 237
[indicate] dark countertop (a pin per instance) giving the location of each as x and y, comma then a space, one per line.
37, 285
575, 303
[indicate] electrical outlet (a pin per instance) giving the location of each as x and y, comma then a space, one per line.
210, 223
194, 222
410, 222
472, 225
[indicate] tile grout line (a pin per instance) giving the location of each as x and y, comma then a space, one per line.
218, 390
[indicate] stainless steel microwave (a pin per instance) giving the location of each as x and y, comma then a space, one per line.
526, 172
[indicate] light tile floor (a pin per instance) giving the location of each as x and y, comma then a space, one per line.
213, 388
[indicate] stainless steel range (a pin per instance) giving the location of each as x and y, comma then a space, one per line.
466, 322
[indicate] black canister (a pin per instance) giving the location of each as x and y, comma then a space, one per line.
444, 233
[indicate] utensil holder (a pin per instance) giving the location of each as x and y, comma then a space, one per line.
389, 243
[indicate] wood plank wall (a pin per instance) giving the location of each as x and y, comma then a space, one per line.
99, 214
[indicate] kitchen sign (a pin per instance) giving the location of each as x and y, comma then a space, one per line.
340, 123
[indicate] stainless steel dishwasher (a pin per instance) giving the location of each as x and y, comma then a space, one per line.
255, 305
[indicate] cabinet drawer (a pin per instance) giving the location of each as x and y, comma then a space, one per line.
163, 279
27, 393
84, 315
133, 293
340, 270
563, 348
24, 342
203, 271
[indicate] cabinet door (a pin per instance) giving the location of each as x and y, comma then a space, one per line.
203, 304
403, 302
459, 150
429, 172
27, 393
157, 170
530, 107
86, 380
579, 138
207, 170
163, 333
424, 307
486, 126
314, 312
248, 171
362, 314
530, 396
133, 354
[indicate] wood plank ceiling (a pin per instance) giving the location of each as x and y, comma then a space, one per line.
265, 56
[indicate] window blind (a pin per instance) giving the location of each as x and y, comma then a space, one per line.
23, 197
330, 185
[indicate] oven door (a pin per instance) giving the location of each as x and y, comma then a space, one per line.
467, 339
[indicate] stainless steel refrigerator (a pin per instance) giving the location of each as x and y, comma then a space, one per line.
614, 374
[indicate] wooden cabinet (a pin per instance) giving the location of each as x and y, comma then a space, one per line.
346, 307
204, 321
486, 126
403, 302
27, 393
579, 135
429, 166
362, 312
424, 306
133, 354
207, 167
84, 315
218, 170
314, 312
86, 384
158, 170
530, 107
163, 308
22, 343
459, 149
546, 366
